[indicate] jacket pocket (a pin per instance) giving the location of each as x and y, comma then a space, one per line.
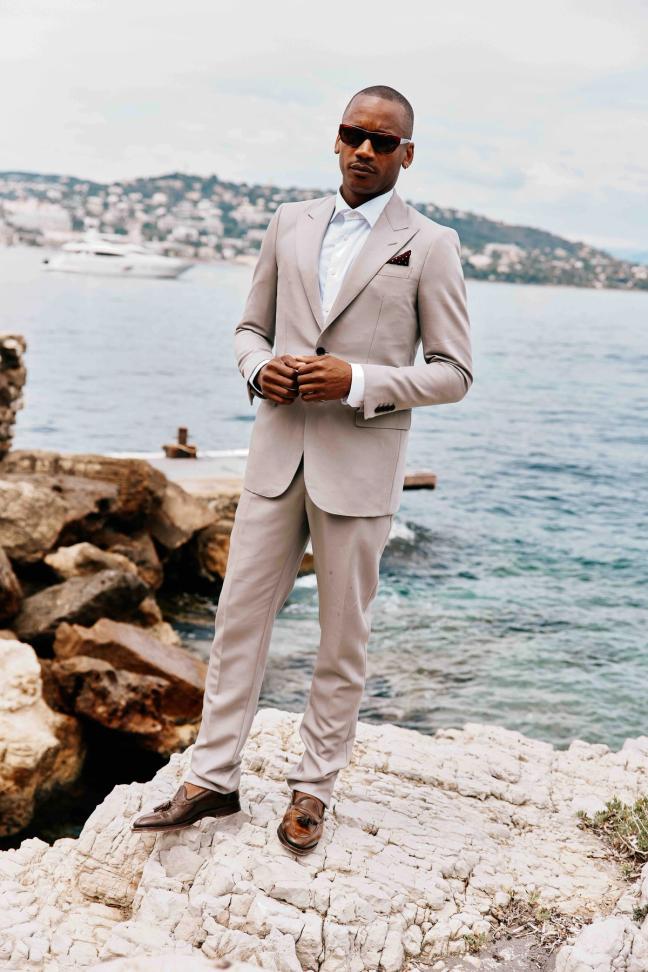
394, 270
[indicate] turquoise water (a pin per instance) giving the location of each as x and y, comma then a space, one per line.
515, 593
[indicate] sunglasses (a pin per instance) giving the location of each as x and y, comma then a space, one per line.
381, 142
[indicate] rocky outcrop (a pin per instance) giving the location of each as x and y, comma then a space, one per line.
12, 380
115, 593
10, 589
39, 748
132, 488
428, 842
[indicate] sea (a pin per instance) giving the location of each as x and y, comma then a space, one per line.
515, 593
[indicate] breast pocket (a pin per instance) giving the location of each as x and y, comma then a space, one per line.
394, 270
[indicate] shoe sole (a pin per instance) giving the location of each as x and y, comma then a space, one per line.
293, 847
188, 823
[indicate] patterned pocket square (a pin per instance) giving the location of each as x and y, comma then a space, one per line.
402, 260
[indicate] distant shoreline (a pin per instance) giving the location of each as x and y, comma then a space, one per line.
250, 259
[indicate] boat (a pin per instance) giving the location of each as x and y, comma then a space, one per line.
114, 258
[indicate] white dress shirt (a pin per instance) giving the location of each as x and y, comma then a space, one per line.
345, 236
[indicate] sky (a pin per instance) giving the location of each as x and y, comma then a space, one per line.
535, 114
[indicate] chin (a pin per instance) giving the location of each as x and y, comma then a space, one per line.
360, 185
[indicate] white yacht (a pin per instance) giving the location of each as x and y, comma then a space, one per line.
118, 259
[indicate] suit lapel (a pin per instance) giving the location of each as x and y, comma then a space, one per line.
391, 231
311, 227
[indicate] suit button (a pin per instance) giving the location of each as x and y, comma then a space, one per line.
320, 350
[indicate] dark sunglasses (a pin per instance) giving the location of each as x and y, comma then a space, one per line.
382, 142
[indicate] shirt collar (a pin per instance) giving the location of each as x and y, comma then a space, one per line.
371, 209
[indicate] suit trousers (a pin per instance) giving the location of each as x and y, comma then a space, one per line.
267, 543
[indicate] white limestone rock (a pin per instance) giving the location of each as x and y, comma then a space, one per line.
39, 748
425, 839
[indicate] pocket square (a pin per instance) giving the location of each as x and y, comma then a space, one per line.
402, 260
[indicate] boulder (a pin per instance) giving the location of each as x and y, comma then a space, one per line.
128, 647
136, 487
40, 749
125, 701
425, 838
39, 511
84, 558
10, 590
32, 516
81, 600
140, 549
148, 615
178, 517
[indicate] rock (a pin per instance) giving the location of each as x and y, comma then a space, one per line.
137, 488
603, 946
41, 511
178, 517
423, 832
127, 647
84, 558
12, 380
148, 615
212, 549
40, 749
10, 590
116, 698
124, 701
140, 549
31, 518
79, 600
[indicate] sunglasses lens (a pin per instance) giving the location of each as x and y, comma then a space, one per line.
382, 144
352, 136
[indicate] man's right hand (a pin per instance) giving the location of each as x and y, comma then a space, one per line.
278, 379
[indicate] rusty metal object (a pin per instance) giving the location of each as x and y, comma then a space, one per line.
181, 449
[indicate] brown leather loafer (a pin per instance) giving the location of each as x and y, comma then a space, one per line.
181, 810
303, 823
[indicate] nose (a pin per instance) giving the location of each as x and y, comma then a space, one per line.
365, 150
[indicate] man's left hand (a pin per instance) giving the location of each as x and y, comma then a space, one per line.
323, 377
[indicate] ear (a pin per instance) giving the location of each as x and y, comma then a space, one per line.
408, 158
336, 147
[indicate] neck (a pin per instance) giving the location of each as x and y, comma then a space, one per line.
354, 200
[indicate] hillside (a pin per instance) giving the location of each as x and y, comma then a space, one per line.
208, 218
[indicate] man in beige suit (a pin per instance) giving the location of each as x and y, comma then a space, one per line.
345, 290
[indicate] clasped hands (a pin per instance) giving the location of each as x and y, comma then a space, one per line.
314, 377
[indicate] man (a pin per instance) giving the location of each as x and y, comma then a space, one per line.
345, 289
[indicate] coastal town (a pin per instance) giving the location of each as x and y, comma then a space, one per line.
210, 219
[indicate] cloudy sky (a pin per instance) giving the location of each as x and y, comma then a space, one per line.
533, 113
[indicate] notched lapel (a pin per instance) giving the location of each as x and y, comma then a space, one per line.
391, 231
310, 230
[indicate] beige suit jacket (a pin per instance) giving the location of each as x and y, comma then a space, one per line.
354, 459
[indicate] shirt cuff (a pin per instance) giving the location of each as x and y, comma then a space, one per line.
356, 392
254, 373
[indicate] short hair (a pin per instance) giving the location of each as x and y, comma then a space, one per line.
389, 94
